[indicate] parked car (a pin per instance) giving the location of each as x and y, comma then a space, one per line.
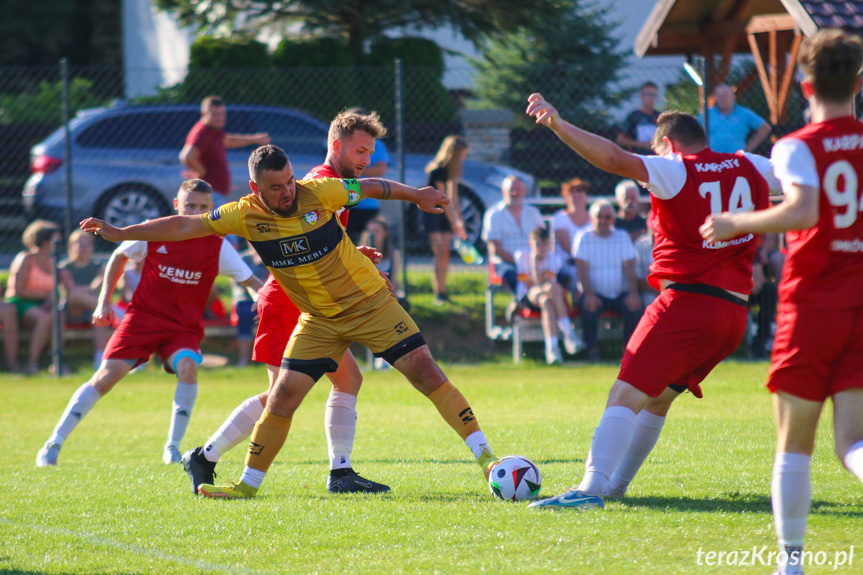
125, 165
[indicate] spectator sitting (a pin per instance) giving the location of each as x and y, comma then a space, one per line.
538, 272
732, 126
377, 235
247, 308
637, 131
506, 226
568, 224
368, 208
629, 219
31, 283
9, 323
605, 264
81, 278
643, 259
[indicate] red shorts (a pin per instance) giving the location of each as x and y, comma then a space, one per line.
140, 335
817, 353
680, 339
276, 323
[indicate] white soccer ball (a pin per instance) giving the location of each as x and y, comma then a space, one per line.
515, 478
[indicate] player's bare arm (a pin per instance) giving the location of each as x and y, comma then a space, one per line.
602, 153
169, 228
103, 314
799, 211
427, 198
191, 158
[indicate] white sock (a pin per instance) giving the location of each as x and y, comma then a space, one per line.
236, 429
184, 401
82, 401
611, 440
340, 422
477, 443
791, 500
564, 325
648, 426
853, 460
252, 477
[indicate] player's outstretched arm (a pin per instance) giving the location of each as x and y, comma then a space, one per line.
103, 314
602, 153
799, 211
428, 199
167, 229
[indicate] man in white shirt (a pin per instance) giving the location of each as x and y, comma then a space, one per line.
605, 266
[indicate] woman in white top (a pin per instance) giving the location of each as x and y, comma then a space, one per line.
569, 223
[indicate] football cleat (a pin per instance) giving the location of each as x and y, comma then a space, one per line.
48, 455
228, 491
486, 461
200, 470
170, 455
574, 499
572, 343
354, 483
553, 356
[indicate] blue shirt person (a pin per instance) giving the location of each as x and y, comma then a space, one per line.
734, 127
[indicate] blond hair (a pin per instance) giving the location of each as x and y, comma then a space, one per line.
38, 232
446, 157
349, 121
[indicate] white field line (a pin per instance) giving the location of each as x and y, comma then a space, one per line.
104, 541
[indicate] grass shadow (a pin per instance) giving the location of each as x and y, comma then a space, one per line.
732, 503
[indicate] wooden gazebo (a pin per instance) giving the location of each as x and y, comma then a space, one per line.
770, 30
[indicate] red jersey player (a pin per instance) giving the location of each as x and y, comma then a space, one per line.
164, 317
818, 349
699, 318
351, 141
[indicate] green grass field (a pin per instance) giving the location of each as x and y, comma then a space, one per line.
111, 506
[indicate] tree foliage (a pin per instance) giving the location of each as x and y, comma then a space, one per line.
571, 59
359, 21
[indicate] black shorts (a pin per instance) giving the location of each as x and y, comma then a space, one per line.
436, 223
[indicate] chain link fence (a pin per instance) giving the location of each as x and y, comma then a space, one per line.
124, 150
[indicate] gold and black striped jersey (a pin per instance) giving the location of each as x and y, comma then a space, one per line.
308, 253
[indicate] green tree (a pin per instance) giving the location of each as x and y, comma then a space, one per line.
571, 59
359, 21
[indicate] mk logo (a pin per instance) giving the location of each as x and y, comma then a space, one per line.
255, 448
467, 415
263, 228
401, 327
294, 246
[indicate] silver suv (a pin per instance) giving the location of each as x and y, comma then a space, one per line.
125, 165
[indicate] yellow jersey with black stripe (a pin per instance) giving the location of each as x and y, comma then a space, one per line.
308, 253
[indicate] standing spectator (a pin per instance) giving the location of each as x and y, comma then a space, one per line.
605, 264
732, 126
636, 134
538, 270
81, 278
9, 323
377, 236
246, 307
643, 259
570, 223
31, 281
205, 152
368, 208
444, 172
506, 227
629, 202
818, 348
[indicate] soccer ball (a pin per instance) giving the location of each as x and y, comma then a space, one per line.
515, 478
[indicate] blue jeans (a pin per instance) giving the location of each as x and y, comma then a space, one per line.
590, 319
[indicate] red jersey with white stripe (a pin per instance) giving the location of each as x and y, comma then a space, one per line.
684, 191
176, 281
824, 265
272, 291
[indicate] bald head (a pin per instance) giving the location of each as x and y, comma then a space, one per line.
513, 190
725, 98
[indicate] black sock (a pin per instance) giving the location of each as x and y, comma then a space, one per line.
339, 473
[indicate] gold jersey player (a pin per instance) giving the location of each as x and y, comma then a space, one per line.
292, 225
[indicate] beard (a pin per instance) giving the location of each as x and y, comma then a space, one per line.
281, 212
349, 171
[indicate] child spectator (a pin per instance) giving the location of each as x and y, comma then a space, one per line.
377, 235
81, 278
247, 309
31, 282
540, 290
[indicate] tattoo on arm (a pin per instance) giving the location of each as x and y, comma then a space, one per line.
386, 189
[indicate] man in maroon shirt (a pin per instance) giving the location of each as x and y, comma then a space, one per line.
205, 152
